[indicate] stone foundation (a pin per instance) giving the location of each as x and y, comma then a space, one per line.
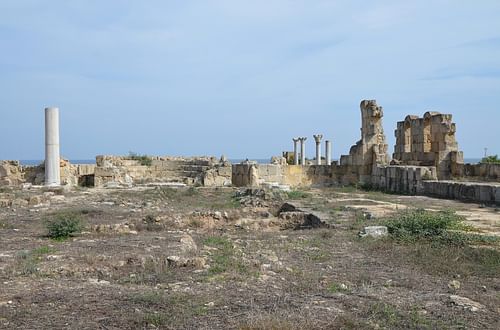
482, 172
113, 170
14, 174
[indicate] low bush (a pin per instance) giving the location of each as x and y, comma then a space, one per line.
298, 194
144, 160
63, 225
413, 224
491, 160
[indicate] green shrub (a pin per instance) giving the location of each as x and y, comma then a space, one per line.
491, 160
144, 160
413, 224
298, 194
64, 225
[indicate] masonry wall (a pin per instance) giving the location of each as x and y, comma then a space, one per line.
482, 172
402, 179
14, 174
467, 191
208, 171
294, 175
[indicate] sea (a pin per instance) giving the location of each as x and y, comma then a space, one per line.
32, 162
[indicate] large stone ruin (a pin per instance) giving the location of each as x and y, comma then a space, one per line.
429, 141
126, 171
371, 150
426, 154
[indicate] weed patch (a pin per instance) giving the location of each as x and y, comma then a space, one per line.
167, 310
28, 260
416, 224
338, 288
63, 225
144, 160
227, 259
298, 194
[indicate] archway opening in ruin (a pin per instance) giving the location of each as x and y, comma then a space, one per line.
407, 137
86, 180
427, 134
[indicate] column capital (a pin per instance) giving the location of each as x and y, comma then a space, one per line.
318, 138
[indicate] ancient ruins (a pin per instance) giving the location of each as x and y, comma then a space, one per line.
426, 161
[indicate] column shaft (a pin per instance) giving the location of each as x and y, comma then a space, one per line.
302, 152
295, 151
328, 152
318, 153
52, 158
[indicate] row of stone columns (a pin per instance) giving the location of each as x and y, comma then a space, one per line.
317, 139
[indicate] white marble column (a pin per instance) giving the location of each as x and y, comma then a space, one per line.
328, 152
52, 169
296, 151
317, 139
302, 150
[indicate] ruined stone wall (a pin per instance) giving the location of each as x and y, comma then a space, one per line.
14, 174
467, 191
254, 175
114, 170
11, 173
429, 141
482, 172
422, 180
251, 174
402, 179
371, 150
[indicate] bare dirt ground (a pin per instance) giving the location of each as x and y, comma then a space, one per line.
199, 258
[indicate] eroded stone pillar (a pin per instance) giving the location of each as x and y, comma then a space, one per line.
296, 151
317, 139
302, 150
328, 152
52, 169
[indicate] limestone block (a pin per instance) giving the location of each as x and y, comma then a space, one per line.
4, 170
374, 231
274, 170
105, 171
19, 202
486, 193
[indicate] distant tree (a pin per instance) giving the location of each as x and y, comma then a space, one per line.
491, 160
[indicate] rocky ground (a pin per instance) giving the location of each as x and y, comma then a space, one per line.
199, 258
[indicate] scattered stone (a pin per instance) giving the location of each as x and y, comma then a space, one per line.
26, 186
466, 303
57, 198
374, 231
19, 202
293, 218
35, 200
188, 244
120, 228
98, 281
180, 262
5, 202
454, 285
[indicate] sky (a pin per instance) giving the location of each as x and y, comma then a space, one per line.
241, 78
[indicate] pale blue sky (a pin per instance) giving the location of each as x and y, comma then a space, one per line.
241, 78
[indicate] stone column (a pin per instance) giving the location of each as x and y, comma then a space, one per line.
296, 151
318, 138
328, 152
302, 150
52, 169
